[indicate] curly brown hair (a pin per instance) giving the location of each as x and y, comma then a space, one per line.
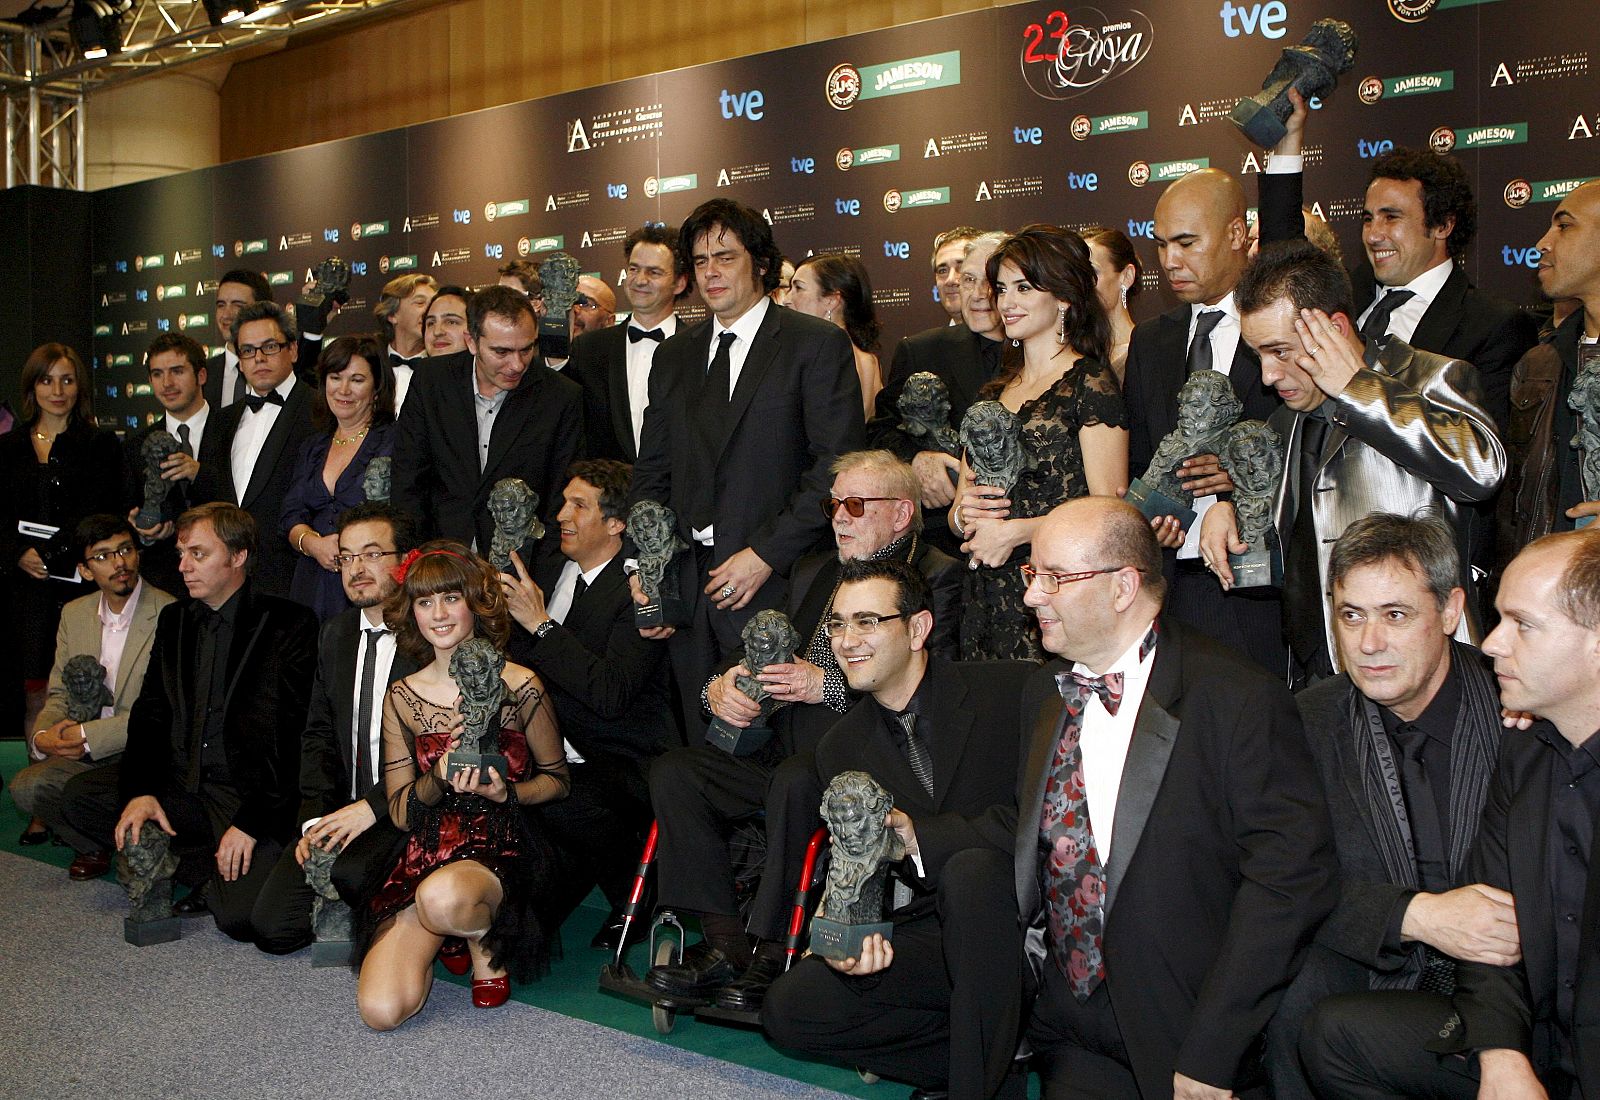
447, 566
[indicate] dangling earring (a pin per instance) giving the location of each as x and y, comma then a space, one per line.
1061, 324
1124, 297
828, 316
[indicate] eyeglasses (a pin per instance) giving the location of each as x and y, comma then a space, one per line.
586, 302
863, 624
270, 347
856, 506
121, 553
371, 557
1050, 583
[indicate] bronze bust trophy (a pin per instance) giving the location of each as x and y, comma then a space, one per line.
864, 847
375, 482
515, 509
154, 450
145, 866
83, 678
1584, 401
1313, 67
1253, 457
1207, 408
654, 531
330, 917
769, 639
476, 666
924, 407
992, 436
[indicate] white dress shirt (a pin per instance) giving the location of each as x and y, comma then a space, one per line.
380, 685
230, 377
1407, 316
402, 378
1105, 738
641, 357
254, 427
114, 638
744, 331
1224, 342
566, 588
196, 423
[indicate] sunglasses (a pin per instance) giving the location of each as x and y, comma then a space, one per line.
856, 506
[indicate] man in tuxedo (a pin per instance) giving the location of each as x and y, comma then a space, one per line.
247, 456
948, 259
225, 381
964, 357
942, 738
613, 364
176, 366
1366, 426
1514, 1027
1203, 244
1168, 851
747, 411
699, 792
482, 416
114, 625
343, 804
607, 684
1405, 739
401, 306
214, 737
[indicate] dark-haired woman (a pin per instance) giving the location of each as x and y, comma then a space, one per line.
58, 466
1074, 429
1117, 270
838, 289
353, 411
472, 868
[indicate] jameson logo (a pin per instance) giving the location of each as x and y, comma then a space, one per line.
529, 245
122, 359
1420, 83
175, 290
1444, 139
102, 330
193, 320
280, 278
1084, 127
505, 209
872, 154
1554, 190
368, 229
387, 264
667, 185
923, 196
915, 74
1073, 51
247, 248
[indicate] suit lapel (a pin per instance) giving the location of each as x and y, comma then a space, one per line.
954, 729
246, 634
581, 611
140, 631
1443, 314
1046, 732
617, 389
1170, 366
1155, 733
277, 439
763, 350
509, 422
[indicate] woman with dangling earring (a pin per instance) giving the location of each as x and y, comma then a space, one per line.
1117, 271
1074, 430
838, 289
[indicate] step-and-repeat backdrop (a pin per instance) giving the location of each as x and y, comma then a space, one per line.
871, 145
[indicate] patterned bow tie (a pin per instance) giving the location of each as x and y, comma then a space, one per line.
256, 403
637, 334
1108, 687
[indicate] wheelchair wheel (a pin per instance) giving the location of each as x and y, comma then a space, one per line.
663, 1018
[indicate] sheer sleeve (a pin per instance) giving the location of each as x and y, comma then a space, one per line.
550, 780
400, 780
1099, 396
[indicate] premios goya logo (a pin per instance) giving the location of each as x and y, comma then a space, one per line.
847, 159
1446, 138
846, 83
1374, 88
1071, 52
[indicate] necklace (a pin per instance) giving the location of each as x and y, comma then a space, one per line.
357, 438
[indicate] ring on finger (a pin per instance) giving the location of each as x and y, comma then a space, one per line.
727, 592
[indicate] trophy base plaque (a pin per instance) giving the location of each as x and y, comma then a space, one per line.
666, 611
1153, 504
146, 933
735, 741
326, 953
1257, 569
483, 761
834, 940
1259, 122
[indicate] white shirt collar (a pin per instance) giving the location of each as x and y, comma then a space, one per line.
197, 422
1427, 285
668, 324
1129, 663
1229, 309
125, 619
746, 327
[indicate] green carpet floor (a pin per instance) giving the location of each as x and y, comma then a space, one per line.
571, 987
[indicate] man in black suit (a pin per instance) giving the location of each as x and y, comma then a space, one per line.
1187, 850
1530, 1027
401, 309
176, 366
214, 737
248, 455
342, 800
613, 363
1405, 738
747, 411
948, 262
942, 738
700, 792
608, 685
475, 418
1203, 245
964, 357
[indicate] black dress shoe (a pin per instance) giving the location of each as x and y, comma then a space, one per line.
29, 838
929, 1094
703, 971
193, 905
746, 992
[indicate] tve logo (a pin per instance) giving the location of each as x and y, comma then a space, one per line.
1519, 257
1145, 229
803, 166
331, 235
1369, 149
1083, 181
897, 250
852, 207
461, 217
493, 251
616, 190
1027, 135
750, 105
1269, 17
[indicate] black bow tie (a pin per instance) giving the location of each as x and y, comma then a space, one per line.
255, 403
637, 334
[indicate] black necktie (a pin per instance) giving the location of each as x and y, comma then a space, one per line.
1302, 582
917, 754
361, 771
637, 334
256, 403
1377, 322
183, 440
1427, 838
238, 386
579, 589
711, 410
721, 370
1200, 344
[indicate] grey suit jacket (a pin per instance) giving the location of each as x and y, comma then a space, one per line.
1408, 433
79, 632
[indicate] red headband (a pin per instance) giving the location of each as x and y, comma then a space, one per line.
410, 559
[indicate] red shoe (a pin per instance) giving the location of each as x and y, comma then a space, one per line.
455, 956
491, 992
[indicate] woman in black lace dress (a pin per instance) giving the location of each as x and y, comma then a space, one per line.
1074, 429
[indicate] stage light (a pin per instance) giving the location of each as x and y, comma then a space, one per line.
96, 27
227, 11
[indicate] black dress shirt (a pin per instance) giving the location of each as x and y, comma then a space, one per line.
216, 630
1436, 726
1575, 804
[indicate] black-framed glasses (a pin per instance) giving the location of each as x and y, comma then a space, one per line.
856, 506
867, 622
121, 553
269, 347
586, 302
371, 557
1050, 583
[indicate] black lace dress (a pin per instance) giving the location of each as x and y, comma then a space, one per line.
995, 624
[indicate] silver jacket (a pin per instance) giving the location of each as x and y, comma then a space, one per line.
1409, 433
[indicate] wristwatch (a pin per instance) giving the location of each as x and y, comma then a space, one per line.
544, 628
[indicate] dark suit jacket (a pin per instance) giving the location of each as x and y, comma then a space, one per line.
158, 562
274, 563
608, 685
796, 407
270, 670
1221, 866
325, 745
305, 369
536, 435
954, 353
1514, 1006
599, 363
83, 476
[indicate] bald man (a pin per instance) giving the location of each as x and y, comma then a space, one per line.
596, 307
1203, 243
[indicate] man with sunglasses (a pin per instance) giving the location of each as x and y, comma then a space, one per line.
342, 800
1168, 851
699, 791
115, 626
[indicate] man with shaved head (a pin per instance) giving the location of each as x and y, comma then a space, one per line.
1203, 243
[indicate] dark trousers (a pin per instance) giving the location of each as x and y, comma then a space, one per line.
1243, 620
945, 1014
1324, 974
281, 917
699, 793
601, 825
92, 806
